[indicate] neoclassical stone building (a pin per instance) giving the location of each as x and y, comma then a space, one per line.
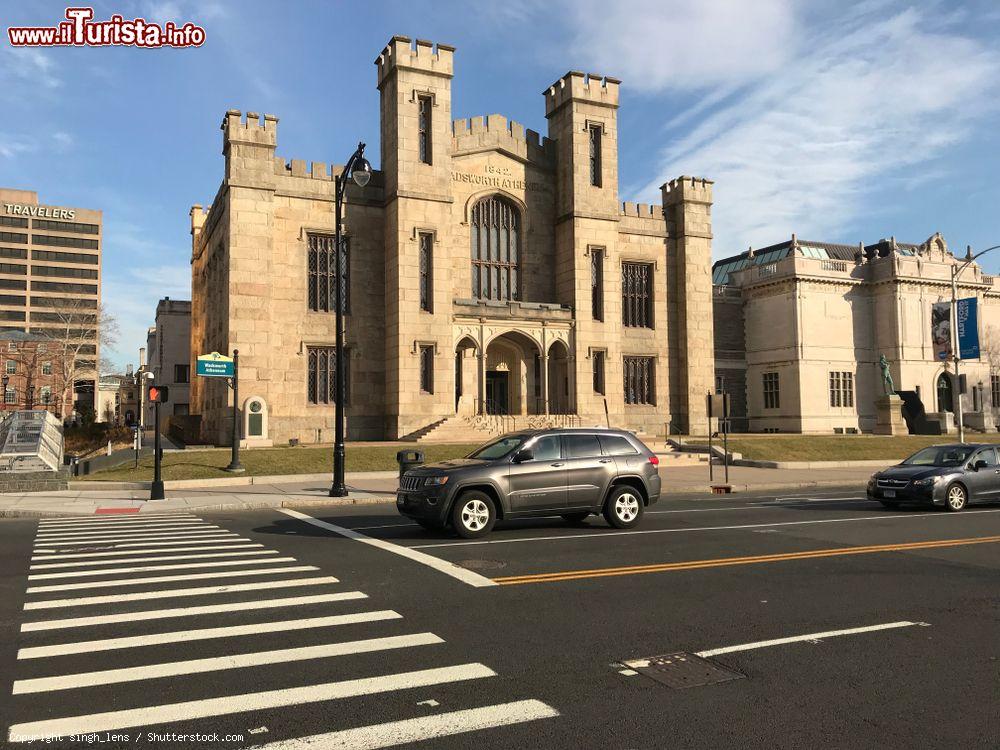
493, 275
800, 327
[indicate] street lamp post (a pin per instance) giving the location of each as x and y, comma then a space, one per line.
5, 381
955, 350
358, 169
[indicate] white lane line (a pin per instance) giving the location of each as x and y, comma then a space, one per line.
170, 579
74, 520
173, 713
602, 534
387, 526
442, 566
140, 596
173, 528
406, 731
217, 664
203, 634
133, 549
207, 609
778, 502
807, 637
131, 560
154, 568
102, 539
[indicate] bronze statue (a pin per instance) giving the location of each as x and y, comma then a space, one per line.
887, 385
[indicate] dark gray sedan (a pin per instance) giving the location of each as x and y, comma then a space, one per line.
951, 476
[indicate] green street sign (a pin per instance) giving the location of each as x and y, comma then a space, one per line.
215, 365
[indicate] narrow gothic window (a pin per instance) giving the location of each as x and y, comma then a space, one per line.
638, 373
597, 283
323, 273
427, 369
427, 272
496, 259
594, 131
637, 295
772, 392
424, 128
597, 358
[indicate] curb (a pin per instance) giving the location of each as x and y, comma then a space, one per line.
239, 480
262, 505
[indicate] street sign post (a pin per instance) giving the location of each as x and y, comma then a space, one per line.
217, 365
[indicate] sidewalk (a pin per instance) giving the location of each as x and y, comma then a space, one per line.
245, 493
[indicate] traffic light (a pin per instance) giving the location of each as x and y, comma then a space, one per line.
158, 394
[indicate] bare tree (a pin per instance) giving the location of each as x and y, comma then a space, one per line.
77, 331
989, 348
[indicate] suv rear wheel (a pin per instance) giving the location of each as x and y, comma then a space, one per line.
624, 507
473, 514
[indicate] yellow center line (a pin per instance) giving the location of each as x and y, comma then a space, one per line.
572, 575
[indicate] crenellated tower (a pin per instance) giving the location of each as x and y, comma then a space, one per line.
414, 82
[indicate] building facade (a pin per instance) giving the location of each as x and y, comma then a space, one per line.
801, 327
490, 272
30, 372
50, 282
168, 356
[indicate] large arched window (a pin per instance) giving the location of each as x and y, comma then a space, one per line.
496, 249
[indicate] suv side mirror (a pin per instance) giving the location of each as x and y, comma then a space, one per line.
523, 455
979, 463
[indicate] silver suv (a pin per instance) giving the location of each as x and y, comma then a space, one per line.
571, 473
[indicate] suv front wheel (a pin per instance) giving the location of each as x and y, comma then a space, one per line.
624, 507
473, 514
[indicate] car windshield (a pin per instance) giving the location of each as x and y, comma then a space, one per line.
940, 456
502, 446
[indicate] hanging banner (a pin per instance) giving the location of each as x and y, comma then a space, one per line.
941, 330
968, 328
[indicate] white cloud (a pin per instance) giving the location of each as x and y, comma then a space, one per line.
866, 101
28, 65
12, 145
656, 45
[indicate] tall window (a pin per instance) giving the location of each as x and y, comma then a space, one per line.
995, 390
46, 395
597, 362
597, 282
424, 128
321, 387
10, 396
637, 295
46, 368
427, 369
496, 254
594, 133
323, 273
842, 389
639, 380
772, 398
182, 373
11, 366
427, 271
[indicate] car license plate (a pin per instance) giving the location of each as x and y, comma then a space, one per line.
889, 493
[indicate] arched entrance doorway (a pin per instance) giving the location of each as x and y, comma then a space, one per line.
559, 395
512, 382
945, 401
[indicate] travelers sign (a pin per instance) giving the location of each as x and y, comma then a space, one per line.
215, 365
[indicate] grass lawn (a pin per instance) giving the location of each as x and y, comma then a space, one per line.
837, 447
265, 461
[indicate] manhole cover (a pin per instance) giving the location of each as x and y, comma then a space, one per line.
481, 564
683, 670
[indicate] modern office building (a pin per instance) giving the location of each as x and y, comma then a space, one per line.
493, 277
800, 328
50, 280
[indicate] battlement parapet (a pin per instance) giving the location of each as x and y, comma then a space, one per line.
499, 132
239, 129
402, 52
586, 87
687, 190
641, 210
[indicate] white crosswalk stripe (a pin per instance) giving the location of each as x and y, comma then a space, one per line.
123, 651
132, 560
151, 568
84, 520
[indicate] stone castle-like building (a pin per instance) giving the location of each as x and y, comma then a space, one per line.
492, 273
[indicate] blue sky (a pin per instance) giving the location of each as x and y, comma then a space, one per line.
838, 122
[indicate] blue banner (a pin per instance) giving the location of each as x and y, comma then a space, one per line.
968, 328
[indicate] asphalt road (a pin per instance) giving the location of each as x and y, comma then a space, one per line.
284, 632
